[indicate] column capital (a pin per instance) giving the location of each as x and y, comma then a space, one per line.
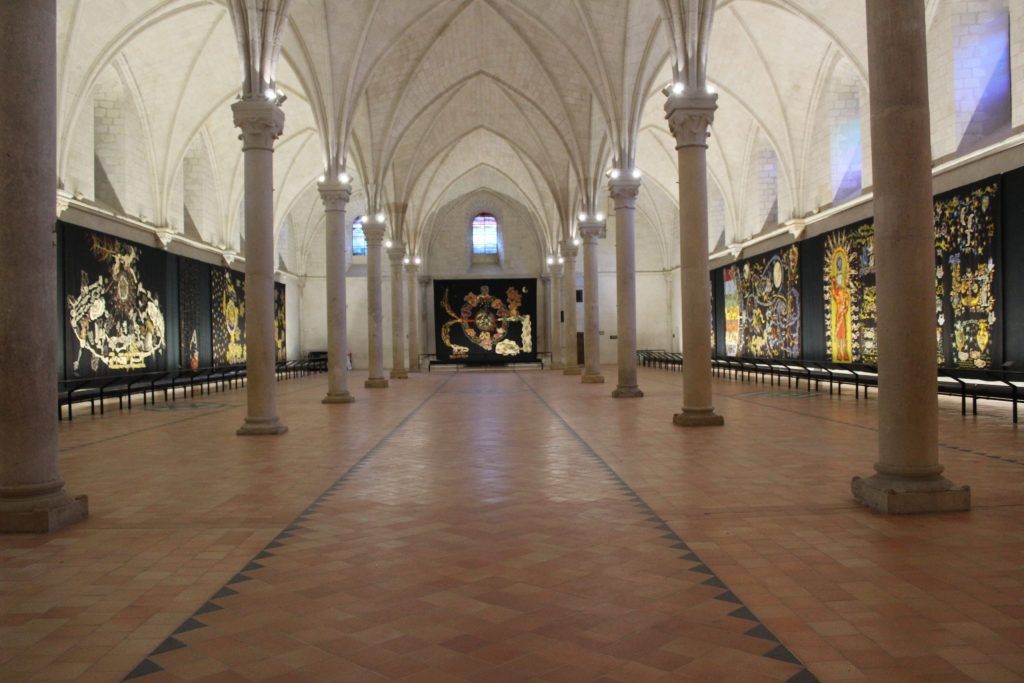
591, 230
624, 191
374, 231
555, 269
334, 194
424, 280
690, 117
412, 268
261, 122
396, 252
569, 249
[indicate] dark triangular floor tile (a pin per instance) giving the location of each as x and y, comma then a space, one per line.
670, 536
701, 569
189, 625
690, 557
681, 546
714, 581
145, 667
275, 544
761, 631
743, 613
729, 596
239, 578
167, 646
209, 607
224, 592
802, 676
782, 654
252, 566
263, 555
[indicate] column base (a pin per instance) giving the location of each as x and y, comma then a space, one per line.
698, 418
900, 496
572, 370
376, 383
261, 426
399, 373
627, 392
41, 515
343, 397
592, 379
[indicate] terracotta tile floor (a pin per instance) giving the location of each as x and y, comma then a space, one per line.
457, 527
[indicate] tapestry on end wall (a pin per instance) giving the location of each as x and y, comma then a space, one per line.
966, 223
485, 320
227, 305
280, 326
850, 305
115, 304
769, 292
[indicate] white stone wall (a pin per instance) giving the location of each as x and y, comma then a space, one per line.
79, 177
972, 24
940, 81
200, 195
108, 139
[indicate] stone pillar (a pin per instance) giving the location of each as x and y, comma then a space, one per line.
557, 352
396, 252
569, 329
690, 117
412, 270
32, 495
426, 301
624, 190
373, 230
908, 474
591, 231
335, 196
261, 123
543, 321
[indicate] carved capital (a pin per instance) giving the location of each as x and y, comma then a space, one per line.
374, 232
569, 249
412, 268
590, 231
555, 269
690, 118
424, 280
624, 191
261, 122
334, 195
396, 253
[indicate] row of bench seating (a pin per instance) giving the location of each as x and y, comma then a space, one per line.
97, 390
999, 385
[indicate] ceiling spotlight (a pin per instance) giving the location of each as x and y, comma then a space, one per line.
678, 88
599, 217
637, 173
582, 216
389, 244
344, 178
551, 260
417, 260
576, 241
380, 217
710, 89
406, 260
322, 178
614, 174
561, 259
270, 94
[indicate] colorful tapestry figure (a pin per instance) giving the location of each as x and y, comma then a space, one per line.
189, 275
769, 289
116, 320
227, 294
965, 243
850, 291
485, 325
732, 310
280, 323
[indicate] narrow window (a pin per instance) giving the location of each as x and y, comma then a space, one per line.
485, 234
358, 238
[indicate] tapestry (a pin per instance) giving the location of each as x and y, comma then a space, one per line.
193, 312
965, 272
769, 292
280, 323
850, 291
114, 294
731, 275
485, 319
227, 306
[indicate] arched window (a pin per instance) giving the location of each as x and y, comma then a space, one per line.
358, 238
485, 234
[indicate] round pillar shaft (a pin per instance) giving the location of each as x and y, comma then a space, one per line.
396, 254
557, 352
411, 276
335, 197
591, 305
908, 471
624, 192
32, 495
569, 326
374, 233
261, 123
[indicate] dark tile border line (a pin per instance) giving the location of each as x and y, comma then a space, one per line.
148, 666
777, 650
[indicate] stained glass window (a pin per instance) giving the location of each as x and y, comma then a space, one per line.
485, 234
358, 238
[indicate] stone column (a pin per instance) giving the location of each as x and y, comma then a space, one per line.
591, 231
261, 122
624, 190
335, 196
908, 474
32, 495
569, 329
542, 323
690, 117
373, 230
412, 270
426, 301
557, 352
396, 252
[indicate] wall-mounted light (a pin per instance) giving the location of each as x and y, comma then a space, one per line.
636, 173
614, 174
599, 217
551, 260
380, 217
561, 259
270, 94
582, 216
417, 260
322, 178
406, 260
678, 88
389, 244
344, 178
710, 89
576, 241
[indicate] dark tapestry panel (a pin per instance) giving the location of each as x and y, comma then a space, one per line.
849, 287
194, 312
489, 319
966, 223
1013, 252
114, 305
769, 291
227, 306
280, 322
